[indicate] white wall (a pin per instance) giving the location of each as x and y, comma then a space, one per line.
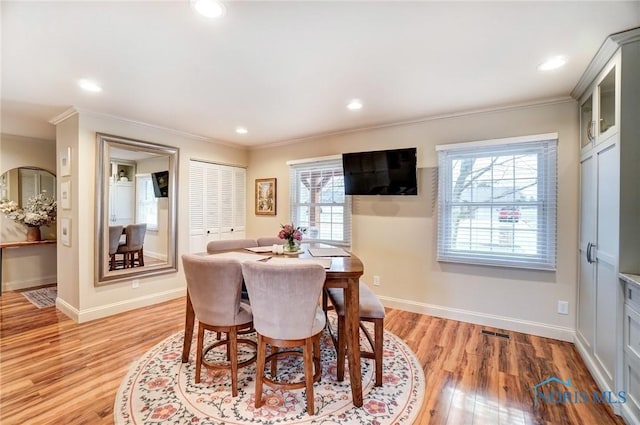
396, 236
26, 266
78, 295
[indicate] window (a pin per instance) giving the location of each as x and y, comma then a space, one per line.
318, 202
497, 202
146, 202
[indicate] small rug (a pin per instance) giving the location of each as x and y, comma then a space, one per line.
160, 389
43, 297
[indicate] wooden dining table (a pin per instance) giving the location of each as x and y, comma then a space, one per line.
345, 273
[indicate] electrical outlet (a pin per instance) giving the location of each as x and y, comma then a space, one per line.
376, 280
563, 307
135, 283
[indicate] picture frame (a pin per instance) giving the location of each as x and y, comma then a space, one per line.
65, 195
266, 197
65, 162
65, 231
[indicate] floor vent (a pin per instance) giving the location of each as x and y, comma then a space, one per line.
498, 334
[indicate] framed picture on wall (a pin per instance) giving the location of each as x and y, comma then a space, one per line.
65, 162
65, 231
266, 196
65, 195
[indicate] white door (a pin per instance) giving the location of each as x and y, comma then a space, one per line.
586, 278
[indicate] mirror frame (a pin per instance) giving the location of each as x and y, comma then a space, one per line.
103, 170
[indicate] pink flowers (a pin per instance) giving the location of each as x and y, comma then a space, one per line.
290, 232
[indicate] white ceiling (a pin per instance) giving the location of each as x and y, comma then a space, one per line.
285, 70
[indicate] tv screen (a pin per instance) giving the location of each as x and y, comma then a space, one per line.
160, 184
388, 172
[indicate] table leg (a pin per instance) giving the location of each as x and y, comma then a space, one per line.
352, 319
189, 321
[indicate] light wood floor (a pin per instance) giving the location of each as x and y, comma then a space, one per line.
54, 371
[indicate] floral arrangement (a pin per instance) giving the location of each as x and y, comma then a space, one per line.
39, 211
291, 233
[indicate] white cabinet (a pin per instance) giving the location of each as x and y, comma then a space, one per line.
609, 202
631, 348
122, 193
217, 209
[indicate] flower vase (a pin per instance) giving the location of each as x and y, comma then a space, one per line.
33, 234
290, 246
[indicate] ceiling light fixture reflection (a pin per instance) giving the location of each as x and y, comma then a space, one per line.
552, 63
89, 85
354, 104
208, 8
241, 130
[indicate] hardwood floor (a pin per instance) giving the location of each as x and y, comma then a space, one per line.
54, 371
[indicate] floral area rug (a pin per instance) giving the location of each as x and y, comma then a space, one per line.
43, 297
160, 389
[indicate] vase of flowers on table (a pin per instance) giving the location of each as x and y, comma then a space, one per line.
40, 210
291, 235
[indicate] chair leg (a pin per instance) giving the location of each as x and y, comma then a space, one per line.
260, 363
233, 335
378, 328
199, 353
341, 353
274, 362
141, 257
308, 373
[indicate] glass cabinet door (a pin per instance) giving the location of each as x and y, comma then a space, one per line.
607, 102
586, 122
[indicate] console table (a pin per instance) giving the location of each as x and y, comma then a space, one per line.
19, 244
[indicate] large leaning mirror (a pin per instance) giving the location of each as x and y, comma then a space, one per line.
136, 209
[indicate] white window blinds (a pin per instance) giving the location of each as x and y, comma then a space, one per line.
147, 203
318, 202
497, 202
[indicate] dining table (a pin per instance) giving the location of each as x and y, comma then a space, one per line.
345, 273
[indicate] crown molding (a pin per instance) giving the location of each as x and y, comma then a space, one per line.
63, 116
602, 57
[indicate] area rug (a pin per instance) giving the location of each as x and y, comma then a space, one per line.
43, 297
160, 389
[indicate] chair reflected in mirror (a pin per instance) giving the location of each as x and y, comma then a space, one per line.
115, 232
132, 249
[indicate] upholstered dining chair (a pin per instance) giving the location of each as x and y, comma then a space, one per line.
371, 310
214, 289
133, 247
270, 240
215, 246
115, 232
286, 315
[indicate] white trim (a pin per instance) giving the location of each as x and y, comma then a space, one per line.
498, 142
482, 319
316, 159
24, 284
93, 313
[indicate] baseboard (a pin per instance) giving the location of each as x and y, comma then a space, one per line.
93, 313
24, 284
501, 322
156, 255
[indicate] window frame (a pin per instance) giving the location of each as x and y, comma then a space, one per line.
543, 145
333, 163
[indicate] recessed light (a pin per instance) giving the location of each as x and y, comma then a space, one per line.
554, 62
89, 85
209, 8
241, 130
354, 104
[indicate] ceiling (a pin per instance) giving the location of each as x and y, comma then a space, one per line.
286, 70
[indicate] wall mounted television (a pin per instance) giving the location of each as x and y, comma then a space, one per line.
160, 182
387, 172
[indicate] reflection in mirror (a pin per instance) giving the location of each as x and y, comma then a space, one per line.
19, 185
137, 201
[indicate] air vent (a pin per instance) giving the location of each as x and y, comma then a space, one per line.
498, 334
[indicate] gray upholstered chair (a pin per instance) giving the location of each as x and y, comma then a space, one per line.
371, 310
214, 290
215, 246
133, 246
115, 232
269, 241
284, 300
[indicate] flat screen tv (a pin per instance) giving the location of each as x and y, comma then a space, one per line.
160, 184
388, 172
